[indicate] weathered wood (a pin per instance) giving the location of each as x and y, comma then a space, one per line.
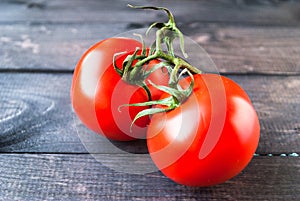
243, 49
35, 112
50, 35
47, 154
272, 50
70, 11
36, 115
57, 47
81, 177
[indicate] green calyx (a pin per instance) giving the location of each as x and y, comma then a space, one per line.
134, 72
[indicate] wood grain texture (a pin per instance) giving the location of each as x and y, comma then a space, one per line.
36, 115
31, 39
80, 177
47, 154
271, 50
242, 11
34, 108
243, 49
57, 47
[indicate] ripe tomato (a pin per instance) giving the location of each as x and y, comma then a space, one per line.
94, 83
98, 91
210, 138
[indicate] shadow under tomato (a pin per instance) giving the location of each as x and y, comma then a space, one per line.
134, 147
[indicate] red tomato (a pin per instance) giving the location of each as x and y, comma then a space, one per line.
94, 83
98, 91
210, 138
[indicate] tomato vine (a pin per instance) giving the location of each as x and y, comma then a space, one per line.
132, 73
209, 131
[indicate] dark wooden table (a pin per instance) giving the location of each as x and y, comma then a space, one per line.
256, 43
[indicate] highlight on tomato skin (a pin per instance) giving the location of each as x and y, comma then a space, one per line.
98, 91
201, 143
95, 65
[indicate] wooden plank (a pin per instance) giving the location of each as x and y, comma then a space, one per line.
57, 47
81, 177
69, 11
34, 108
233, 49
248, 49
242, 11
36, 115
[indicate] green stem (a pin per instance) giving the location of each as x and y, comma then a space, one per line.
176, 61
127, 68
166, 33
136, 74
159, 54
146, 88
158, 40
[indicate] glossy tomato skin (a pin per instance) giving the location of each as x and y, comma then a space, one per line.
93, 86
210, 138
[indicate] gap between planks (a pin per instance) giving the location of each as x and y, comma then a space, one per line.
69, 71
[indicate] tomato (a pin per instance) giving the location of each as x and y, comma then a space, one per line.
98, 91
94, 83
209, 138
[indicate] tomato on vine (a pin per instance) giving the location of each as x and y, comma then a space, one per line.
98, 91
204, 129
205, 141
201, 129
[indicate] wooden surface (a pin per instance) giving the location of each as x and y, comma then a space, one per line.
42, 143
